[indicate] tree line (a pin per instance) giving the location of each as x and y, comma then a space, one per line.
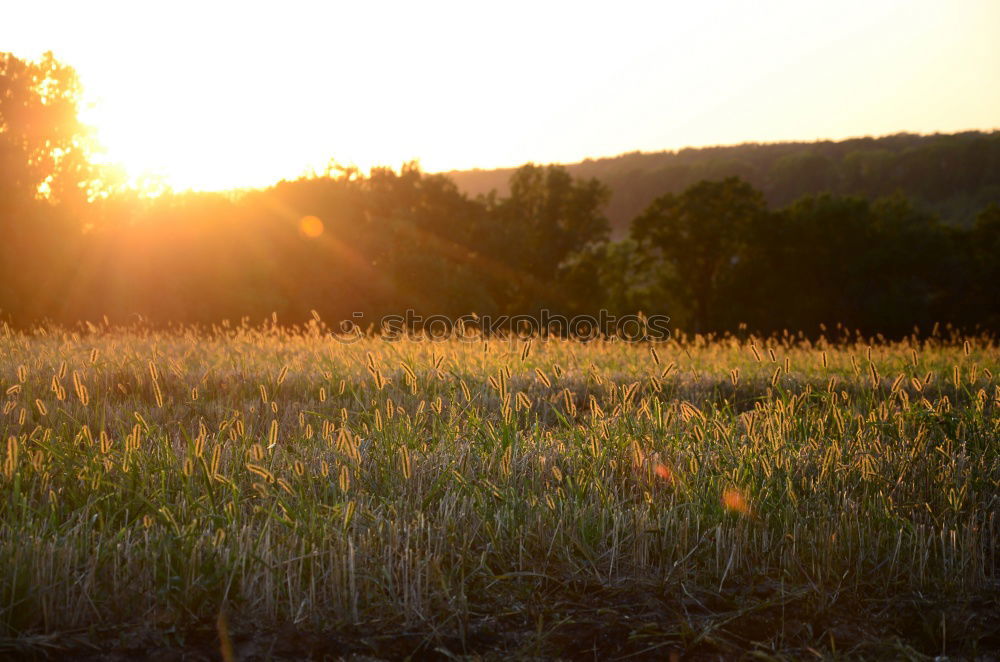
952, 176
349, 245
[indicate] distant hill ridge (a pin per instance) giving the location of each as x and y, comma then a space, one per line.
952, 175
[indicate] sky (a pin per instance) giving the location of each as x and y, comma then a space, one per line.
215, 95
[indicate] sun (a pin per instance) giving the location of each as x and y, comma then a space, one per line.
170, 147
206, 137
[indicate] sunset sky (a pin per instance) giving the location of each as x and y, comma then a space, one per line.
214, 95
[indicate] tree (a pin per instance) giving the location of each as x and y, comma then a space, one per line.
548, 217
701, 234
983, 247
42, 162
43, 145
803, 264
875, 266
612, 276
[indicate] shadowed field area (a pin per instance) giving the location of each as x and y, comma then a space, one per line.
298, 495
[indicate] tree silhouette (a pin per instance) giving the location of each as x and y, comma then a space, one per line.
983, 249
701, 234
548, 217
44, 178
43, 145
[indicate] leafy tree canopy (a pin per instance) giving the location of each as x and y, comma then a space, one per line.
43, 145
701, 232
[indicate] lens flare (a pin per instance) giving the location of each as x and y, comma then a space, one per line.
733, 499
664, 472
311, 227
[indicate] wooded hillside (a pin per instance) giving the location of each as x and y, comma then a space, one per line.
950, 175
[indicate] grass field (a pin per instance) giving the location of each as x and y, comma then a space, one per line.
252, 493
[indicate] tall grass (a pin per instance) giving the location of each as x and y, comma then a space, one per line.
758, 491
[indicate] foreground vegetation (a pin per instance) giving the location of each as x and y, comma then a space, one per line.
276, 491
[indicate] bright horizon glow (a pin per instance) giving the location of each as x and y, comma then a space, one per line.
215, 96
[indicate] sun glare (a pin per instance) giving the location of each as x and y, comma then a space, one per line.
184, 152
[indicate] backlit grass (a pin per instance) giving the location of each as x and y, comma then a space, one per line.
556, 497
